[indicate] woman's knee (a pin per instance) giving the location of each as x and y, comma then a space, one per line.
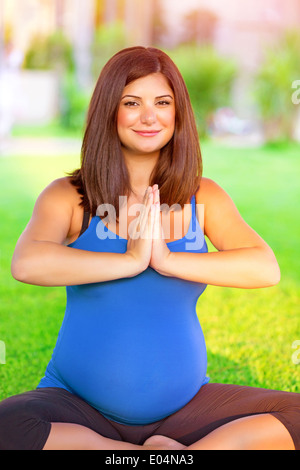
22, 426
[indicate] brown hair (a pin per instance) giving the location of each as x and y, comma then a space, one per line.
103, 175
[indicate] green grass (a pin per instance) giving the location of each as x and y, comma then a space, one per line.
249, 333
52, 129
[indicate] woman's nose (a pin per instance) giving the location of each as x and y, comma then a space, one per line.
148, 116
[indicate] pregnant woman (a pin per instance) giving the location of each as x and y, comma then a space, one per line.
126, 234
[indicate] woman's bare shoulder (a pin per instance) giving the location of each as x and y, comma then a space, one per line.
63, 184
57, 212
61, 189
209, 191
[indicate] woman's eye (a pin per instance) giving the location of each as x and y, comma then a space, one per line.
163, 103
131, 103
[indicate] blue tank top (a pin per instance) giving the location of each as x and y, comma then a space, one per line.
132, 348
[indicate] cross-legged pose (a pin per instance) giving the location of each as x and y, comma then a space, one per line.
126, 234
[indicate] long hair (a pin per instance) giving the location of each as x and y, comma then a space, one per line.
103, 175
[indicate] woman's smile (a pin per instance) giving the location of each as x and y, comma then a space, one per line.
146, 133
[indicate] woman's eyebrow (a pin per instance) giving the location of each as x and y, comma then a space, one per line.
139, 98
131, 96
164, 96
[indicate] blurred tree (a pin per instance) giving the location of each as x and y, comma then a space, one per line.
199, 27
273, 87
74, 103
54, 52
84, 27
108, 39
209, 79
141, 21
75, 88
124, 23
158, 23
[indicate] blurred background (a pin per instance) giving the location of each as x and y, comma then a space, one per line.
241, 63
239, 59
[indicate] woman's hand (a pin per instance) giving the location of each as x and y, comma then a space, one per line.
146, 242
160, 251
139, 245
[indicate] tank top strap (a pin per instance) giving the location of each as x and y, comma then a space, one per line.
85, 222
194, 213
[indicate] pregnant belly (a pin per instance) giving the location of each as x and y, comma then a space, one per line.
133, 373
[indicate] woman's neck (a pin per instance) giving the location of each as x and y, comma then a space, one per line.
140, 168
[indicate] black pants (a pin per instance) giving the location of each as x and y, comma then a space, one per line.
25, 420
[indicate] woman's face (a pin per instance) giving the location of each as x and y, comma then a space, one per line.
146, 116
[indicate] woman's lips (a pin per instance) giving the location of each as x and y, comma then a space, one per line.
147, 133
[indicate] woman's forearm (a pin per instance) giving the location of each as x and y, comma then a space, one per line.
243, 267
51, 264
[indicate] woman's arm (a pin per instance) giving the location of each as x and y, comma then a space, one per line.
41, 258
243, 258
